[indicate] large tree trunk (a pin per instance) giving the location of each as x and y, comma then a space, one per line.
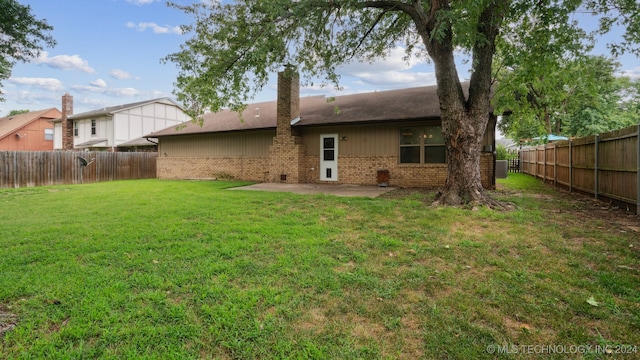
464, 120
463, 141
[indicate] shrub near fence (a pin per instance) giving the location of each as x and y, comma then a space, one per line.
605, 165
38, 168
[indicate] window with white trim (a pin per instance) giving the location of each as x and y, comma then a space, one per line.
93, 127
422, 145
48, 134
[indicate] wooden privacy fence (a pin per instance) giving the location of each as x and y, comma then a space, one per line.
38, 168
605, 165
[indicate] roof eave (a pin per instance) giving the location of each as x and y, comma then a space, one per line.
155, 135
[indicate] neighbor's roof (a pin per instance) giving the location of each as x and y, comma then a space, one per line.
91, 143
118, 108
10, 124
394, 105
141, 141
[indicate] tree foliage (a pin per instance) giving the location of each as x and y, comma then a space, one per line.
237, 45
575, 97
22, 35
17, 112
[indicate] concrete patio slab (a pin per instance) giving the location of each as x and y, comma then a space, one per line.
328, 189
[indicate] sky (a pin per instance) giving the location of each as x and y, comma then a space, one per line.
109, 53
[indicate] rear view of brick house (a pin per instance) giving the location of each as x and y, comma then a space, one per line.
349, 139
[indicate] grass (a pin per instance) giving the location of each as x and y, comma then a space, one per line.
174, 269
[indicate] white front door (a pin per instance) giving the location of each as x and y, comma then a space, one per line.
329, 157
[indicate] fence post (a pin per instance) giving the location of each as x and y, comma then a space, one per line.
555, 164
544, 164
595, 179
638, 173
16, 174
570, 165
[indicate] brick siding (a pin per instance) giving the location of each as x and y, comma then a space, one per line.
363, 170
360, 170
250, 169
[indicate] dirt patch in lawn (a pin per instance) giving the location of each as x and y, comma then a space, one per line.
608, 216
586, 209
7, 320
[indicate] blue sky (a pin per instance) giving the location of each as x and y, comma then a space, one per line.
109, 52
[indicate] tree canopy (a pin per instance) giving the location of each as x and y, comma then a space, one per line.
237, 45
17, 112
22, 35
579, 97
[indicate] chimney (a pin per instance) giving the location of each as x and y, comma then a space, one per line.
67, 125
288, 100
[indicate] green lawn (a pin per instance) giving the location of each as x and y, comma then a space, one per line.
177, 269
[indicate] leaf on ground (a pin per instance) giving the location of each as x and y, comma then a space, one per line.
592, 301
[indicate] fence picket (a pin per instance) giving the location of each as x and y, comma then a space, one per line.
40, 168
605, 165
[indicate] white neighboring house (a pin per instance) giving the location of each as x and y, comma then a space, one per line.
115, 128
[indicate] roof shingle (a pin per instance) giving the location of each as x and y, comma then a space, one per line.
9, 124
393, 105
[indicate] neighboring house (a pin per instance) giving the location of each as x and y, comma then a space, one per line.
115, 128
352, 139
30, 131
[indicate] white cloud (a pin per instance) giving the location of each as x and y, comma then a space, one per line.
391, 72
90, 103
64, 62
631, 73
157, 29
396, 78
123, 92
24, 99
99, 83
141, 2
88, 88
106, 91
395, 61
120, 74
49, 84
326, 90
155, 94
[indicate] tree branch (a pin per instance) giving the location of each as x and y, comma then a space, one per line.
366, 34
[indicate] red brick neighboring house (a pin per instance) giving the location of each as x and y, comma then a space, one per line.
391, 137
30, 131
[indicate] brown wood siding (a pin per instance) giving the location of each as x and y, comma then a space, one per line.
240, 144
369, 139
360, 140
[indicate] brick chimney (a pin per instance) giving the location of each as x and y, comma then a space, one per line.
67, 125
286, 154
288, 99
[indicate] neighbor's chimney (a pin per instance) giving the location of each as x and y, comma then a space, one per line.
67, 125
288, 100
